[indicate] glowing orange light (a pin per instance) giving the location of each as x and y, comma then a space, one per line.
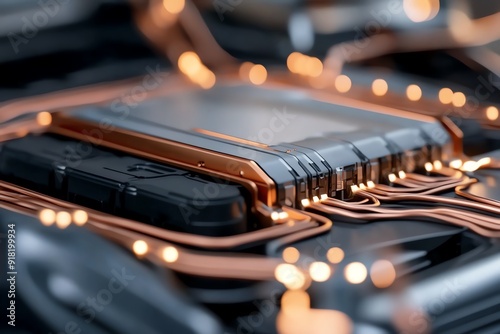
343, 83
380, 87
319, 271
47, 217
160, 16
445, 95
413, 92
283, 215
292, 61
392, 177
258, 74
170, 254
291, 254
206, 79
314, 67
283, 270
189, 63
140, 247
294, 302
301, 64
44, 118
355, 272
174, 6
382, 273
484, 161
80, 217
313, 321
290, 276
458, 99
63, 219
456, 164
492, 113
335, 255
244, 70
421, 10
470, 166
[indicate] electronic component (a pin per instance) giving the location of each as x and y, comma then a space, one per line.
127, 186
264, 136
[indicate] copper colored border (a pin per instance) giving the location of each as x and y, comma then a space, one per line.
242, 171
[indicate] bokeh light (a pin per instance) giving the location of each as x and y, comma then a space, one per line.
445, 95
44, 118
291, 255
380, 87
413, 92
174, 6
343, 83
320, 271
295, 302
290, 276
421, 10
47, 217
314, 67
458, 99
140, 247
80, 217
456, 164
63, 219
382, 273
189, 63
355, 272
257, 74
492, 113
335, 255
314, 321
170, 254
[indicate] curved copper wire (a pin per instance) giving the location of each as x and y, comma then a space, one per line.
482, 228
437, 199
301, 225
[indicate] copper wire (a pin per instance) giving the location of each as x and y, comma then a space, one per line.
231, 266
426, 190
370, 200
324, 226
301, 225
436, 199
419, 184
425, 178
301, 221
459, 191
420, 188
439, 214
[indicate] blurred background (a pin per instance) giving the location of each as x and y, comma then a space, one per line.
50, 45
54, 44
